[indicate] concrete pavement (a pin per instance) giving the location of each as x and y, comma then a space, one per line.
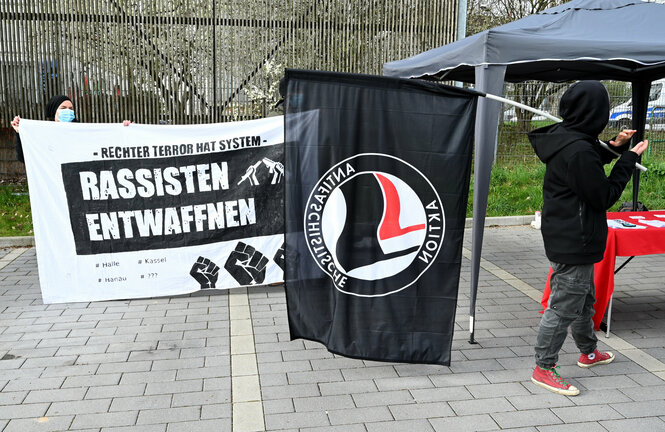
223, 362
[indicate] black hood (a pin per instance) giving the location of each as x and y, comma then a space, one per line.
549, 140
53, 104
585, 108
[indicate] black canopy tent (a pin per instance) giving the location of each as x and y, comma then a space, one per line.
583, 39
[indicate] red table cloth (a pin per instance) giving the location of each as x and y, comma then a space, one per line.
621, 242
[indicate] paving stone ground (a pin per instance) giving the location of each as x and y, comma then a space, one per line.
224, 362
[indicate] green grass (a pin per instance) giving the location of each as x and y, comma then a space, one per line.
652, 185
15, 216
516, 189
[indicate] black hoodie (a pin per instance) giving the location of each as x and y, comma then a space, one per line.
576, 191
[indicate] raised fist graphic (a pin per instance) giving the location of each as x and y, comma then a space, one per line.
205, 272
246, 265
279, 257
274, 168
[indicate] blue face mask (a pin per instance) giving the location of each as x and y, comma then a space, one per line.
66, 115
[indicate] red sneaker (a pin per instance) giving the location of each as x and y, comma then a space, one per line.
595, 358
552, 381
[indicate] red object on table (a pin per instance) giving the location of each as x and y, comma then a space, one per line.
620, 242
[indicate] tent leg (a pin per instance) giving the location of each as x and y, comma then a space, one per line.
471, 331
609, 317
641, 91
489, 79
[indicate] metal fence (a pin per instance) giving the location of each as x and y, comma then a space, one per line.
195, 61
513, 144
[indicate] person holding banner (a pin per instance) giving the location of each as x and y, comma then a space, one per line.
60, 109
576, 195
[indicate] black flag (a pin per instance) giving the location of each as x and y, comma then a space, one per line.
377, 179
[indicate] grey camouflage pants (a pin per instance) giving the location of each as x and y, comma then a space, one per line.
570, 304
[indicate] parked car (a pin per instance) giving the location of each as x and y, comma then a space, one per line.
621, 116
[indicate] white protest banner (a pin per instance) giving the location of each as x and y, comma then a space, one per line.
153, 210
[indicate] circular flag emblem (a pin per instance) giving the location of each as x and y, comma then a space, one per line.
374, 224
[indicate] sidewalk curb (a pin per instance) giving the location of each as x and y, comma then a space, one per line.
503, 221
23, 241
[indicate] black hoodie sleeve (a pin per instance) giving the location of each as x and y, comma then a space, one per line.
587, 178
608, 156
19, 148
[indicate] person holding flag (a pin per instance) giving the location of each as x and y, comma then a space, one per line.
576, 195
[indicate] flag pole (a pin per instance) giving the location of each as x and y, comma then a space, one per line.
556, 119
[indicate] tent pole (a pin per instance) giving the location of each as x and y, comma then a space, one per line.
641, 91
461, 19
488, 79
461, 27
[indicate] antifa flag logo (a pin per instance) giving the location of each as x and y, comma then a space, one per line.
374, 224
377, 178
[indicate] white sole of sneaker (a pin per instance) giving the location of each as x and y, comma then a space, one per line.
602, 362
572, 390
